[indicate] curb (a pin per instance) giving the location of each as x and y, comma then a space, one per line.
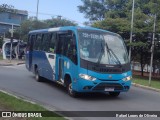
33, 102
146, 87
11, 64
20, 63
6, 64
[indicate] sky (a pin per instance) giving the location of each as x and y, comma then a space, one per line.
66, 8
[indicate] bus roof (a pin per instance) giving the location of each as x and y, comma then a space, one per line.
68, 28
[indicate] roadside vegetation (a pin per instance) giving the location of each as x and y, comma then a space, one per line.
10, 103
155, 82
115, 16
1, 57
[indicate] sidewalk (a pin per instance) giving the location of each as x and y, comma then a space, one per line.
12, 62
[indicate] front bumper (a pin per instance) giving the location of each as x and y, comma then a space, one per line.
82, 85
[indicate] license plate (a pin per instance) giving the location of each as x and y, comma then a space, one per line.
109, 89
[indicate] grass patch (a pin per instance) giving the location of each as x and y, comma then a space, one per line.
155, 83
10, 103
1, 57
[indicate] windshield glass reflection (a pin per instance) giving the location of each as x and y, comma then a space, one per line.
102, 48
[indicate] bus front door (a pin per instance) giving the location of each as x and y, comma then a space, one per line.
29, 52
60, 58
60, 70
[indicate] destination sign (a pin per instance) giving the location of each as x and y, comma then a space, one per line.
92, 36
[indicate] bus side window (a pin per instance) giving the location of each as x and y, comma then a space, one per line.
35, 43
45, 42
38, 41
72, 49
52, 38
28, 43
31, 42
60, 43
41, 43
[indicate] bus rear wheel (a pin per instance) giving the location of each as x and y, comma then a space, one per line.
37, 76
114, 94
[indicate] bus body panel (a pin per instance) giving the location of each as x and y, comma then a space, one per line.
41, 61
27, 60
55, 67
69, 68
102, 78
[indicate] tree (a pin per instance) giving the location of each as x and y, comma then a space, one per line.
118, 25
93, 9
33, 24
1, 42
30, 24
6, 8
117, 19
58, 22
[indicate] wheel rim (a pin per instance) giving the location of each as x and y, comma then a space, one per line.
37, 76
70, 89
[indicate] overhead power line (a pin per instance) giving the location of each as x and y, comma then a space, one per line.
53, 15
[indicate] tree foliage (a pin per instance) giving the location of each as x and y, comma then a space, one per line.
33, 24
57, 22
28, 25
93, 9
1, 42
6, 8
117, 18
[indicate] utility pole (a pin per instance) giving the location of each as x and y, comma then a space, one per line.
59, 17
131, 30
37, 9
11, 31
152, 50
4, 35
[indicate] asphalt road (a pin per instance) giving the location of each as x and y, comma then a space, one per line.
17, 80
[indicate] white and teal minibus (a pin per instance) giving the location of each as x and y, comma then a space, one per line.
83, 59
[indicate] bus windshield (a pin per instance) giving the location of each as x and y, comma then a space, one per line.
102, 48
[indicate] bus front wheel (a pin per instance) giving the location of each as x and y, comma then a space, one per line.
114, 94
71, 92
37, 76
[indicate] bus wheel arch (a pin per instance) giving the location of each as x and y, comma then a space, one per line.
37, 75
35, 68
68, 84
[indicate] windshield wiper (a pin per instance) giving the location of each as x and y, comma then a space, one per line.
110, 52
101, 54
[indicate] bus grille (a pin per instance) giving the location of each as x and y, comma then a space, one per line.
107, 70
102, 86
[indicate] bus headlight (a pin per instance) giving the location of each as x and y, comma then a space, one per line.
127, 78
87, 77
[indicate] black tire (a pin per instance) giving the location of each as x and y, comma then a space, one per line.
114, 94
70, 91
37, 76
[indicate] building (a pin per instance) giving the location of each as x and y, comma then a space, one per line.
7, 19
